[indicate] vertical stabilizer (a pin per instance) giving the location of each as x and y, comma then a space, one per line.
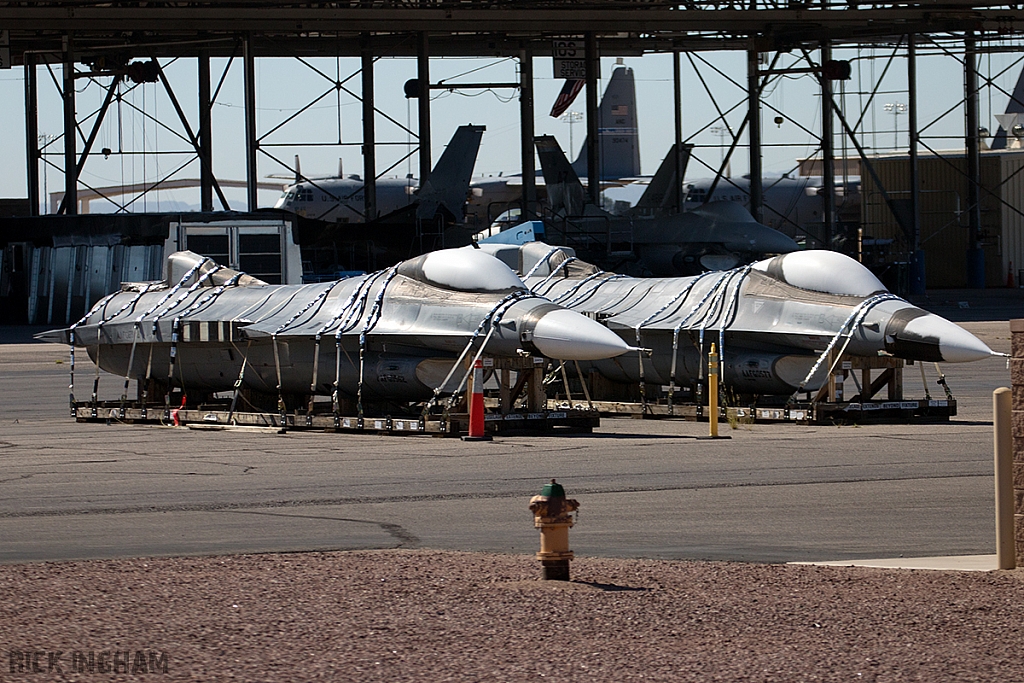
565, 191
663, 194
448, 185
618, 130
1014, 115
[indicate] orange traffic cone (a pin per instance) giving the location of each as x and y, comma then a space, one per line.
477, 432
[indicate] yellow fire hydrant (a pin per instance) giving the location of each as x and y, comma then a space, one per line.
552, 514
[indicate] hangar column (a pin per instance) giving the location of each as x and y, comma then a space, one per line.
32, 134
828, 171
593, 68
677, 82
917, 272
70, 202
205, 133
251, 143
975, 254
369, 134
423, 76
754, 128
526, 133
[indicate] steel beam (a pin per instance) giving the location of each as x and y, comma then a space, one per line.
677, 92
754, 135
975, 254
369, 134
32, 134
526, 132
593, 67
917, 269
799, 24
423, 74
828, 171
205, 133
251, 141
69, 205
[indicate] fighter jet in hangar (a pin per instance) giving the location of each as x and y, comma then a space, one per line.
393, 334
773, 321
716, 236
341, 199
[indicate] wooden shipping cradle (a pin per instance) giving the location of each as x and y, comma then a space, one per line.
826, 406
532, 417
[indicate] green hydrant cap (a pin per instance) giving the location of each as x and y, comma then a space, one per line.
553, 490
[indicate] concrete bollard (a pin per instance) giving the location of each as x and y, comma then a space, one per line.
1002, 439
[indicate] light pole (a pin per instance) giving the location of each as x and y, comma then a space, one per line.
43, 140
896, 108
571, 117
721, 132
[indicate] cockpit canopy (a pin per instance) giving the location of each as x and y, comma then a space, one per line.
464, 270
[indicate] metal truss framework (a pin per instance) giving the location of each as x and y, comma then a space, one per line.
81, 31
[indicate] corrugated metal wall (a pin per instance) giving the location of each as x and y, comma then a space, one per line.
944, 217
66, 281
1012, 209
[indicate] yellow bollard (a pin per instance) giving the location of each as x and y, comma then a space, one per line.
713, 395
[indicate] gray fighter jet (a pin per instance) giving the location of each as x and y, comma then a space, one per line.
647, 240
772, 321
395, 334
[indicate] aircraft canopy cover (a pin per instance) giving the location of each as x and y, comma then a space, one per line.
469, 270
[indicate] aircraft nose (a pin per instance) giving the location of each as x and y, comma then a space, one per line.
568, 335
917, 335
774, 242
761, 239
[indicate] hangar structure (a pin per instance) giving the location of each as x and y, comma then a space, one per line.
129, 42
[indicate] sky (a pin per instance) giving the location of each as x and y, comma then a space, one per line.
286, 86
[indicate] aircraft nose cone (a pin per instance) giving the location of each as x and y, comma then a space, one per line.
568, 335
930, 337
772, 241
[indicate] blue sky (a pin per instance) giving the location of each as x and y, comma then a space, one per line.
284, 86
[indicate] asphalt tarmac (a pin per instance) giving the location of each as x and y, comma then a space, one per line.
647, 488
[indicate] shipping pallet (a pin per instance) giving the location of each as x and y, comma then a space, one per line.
219, 418
803, 413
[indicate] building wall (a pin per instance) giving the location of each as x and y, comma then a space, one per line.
944, 216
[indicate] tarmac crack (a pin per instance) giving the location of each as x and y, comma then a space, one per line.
395, 530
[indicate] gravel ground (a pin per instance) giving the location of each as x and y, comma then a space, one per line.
397, 615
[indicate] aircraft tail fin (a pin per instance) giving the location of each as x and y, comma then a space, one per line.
448, 184
565, 191
1014, 115
618, 130
663, 194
